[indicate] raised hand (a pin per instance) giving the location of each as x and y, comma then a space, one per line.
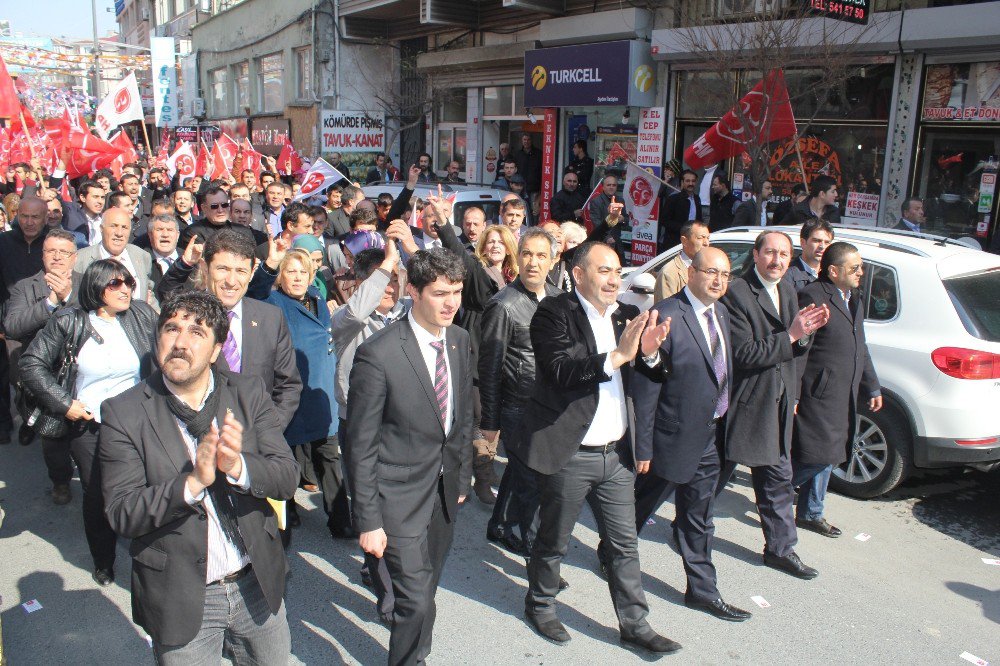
193, 251
61, 286
654, 334
809, 319
628, 345
228, 452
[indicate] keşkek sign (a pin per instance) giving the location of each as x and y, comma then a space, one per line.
618, 73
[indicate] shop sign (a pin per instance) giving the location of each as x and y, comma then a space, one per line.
861, 209
987, 188
269, 135
235, 128
852, 11
353, 132
618, 73
190, 133
818, 159
652, 128
968, 92
548, 161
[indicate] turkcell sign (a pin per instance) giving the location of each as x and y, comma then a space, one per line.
607, 74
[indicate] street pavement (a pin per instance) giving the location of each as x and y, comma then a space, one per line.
916, 592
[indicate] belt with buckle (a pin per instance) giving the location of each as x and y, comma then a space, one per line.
233, 577
601, 448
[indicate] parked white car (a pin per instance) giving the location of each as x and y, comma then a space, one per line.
932, 320
464, 196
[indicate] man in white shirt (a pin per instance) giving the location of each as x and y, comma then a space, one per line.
116, 224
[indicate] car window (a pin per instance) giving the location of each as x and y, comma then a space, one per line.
740, 255
975, 299
883, 292
491, 208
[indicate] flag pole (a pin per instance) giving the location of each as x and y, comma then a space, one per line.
671, 186
149, 149
802, 169
27, 134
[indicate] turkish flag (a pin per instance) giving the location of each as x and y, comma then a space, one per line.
203, 165
220, 165
764, 114
587, 222
182, 161
123, 143
289, 160
10, 105
252, 160
87, 153
29, 120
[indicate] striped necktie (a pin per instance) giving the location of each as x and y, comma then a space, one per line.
718, 366
230, 350
441, 381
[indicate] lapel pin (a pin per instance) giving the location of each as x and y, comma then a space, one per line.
253, 323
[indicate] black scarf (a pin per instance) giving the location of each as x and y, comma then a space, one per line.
198, 424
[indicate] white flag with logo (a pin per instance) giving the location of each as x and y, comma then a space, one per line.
319, 177
182, 161
122, 105
641, 188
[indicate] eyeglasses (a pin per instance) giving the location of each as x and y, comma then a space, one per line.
224, 205
116, 283
713, 273
62, 254
853, 270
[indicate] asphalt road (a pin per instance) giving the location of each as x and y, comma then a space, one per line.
917, 592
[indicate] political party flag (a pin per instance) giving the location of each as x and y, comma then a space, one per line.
252, 160
122, 105
220, 163
641, 188
182, 161
764, 114
288, 160
123, 143
318, 178
203, 165
10, 105
87, 153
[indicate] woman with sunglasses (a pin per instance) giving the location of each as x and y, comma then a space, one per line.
113, 338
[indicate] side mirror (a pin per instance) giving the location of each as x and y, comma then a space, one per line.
644, 284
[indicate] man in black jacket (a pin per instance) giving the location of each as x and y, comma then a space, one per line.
578, 440
814, 237
216, 218
506, 379
529, 164
567, 203
677, 210
766, 325
722, 207
20, 257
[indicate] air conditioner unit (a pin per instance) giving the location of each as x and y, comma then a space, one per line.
198, 107
144, 14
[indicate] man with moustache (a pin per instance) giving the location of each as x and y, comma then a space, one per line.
578, 441
766, 323
681, 423
836, 373
163, 232
506, 379
188, 459
473, 224
409, 421
678, 209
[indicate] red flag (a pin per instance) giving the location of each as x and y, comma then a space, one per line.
87, 153
289, 157
766, 116
64, 190
125, 145
203, 166
116, 167
5, 147
587, 222
252, 160
10, 105
227, 148
220, 165
29, 119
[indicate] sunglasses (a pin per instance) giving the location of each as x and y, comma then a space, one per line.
216, 206
116, 283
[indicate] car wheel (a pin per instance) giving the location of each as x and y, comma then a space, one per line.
879, 458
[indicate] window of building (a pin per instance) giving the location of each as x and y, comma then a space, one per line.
303, 73
241, 76
218, 80
452, 106
504, 101
270, 69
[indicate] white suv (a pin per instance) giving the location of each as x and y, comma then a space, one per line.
932, 320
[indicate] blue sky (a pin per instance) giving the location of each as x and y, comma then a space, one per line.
58, 18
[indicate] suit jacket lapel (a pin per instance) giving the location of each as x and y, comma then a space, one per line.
457, 370
837, 300
691, 319
579, 315
412, 352
249, 334
789, 303
763, 298
164, 424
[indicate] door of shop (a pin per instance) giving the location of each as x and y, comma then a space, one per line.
956, 177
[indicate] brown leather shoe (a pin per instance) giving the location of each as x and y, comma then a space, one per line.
61, 494
484, 492
310, 487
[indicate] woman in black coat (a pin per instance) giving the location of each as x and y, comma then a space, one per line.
112, 336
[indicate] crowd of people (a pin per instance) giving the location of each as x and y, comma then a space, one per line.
200, 350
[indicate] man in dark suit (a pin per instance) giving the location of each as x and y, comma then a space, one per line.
677, 210
766, 324
163, 232
215, 208
378, 173
753, 211
577, 438
409, 422
815, 236
681, 421
836, 373
84, 215
913, 215
259, 342
188, 459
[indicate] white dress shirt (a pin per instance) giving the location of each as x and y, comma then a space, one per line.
700, 309
105, 369
224, 557
686, 260
772, 290
93, 228
692, 209
165, 261
424, 340
609, 422
274, 221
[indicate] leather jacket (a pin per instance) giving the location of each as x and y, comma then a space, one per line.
41, 360
506, 356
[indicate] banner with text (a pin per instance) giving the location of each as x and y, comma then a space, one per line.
164, 64
353, 132
861, 210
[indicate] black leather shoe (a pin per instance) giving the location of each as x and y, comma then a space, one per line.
602, 570
385, 619
652, 642
552, 630
343, 532
790, 564
25, 435
366, 578
562, 584
819, 526
719, 609
103, 577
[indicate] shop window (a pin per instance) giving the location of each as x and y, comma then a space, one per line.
217, 82
241, 77
452, 106
704, 94
303, 73
270, 93
451, 142
865, 95
883, 293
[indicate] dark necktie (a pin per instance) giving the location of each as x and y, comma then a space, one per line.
230, 350
441, 381
718, 366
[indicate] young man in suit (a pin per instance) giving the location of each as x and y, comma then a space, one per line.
681, 420
836, 373
678, 209
409, 422
188, 459
674, 275
116, 225
814, 237
577, 438
766, 324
